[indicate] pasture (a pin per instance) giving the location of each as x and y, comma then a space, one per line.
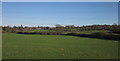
40, 31
19, 46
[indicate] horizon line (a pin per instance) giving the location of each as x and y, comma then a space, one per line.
54, 25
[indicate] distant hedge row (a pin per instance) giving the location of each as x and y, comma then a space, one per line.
41, 33
101, 35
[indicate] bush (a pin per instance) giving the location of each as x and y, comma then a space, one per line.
104, 35
41, 33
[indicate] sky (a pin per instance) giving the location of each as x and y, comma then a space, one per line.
0, 14
64, 13
60, 0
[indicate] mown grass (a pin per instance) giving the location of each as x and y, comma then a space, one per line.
19, 46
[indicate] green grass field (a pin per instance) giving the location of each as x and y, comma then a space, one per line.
19, 46
40, 31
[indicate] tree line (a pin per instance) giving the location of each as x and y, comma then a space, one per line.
60, 28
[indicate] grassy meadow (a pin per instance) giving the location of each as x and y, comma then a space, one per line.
40, 31
20, 46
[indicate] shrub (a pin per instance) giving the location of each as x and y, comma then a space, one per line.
104, 35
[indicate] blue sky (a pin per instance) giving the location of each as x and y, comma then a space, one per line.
64, 13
